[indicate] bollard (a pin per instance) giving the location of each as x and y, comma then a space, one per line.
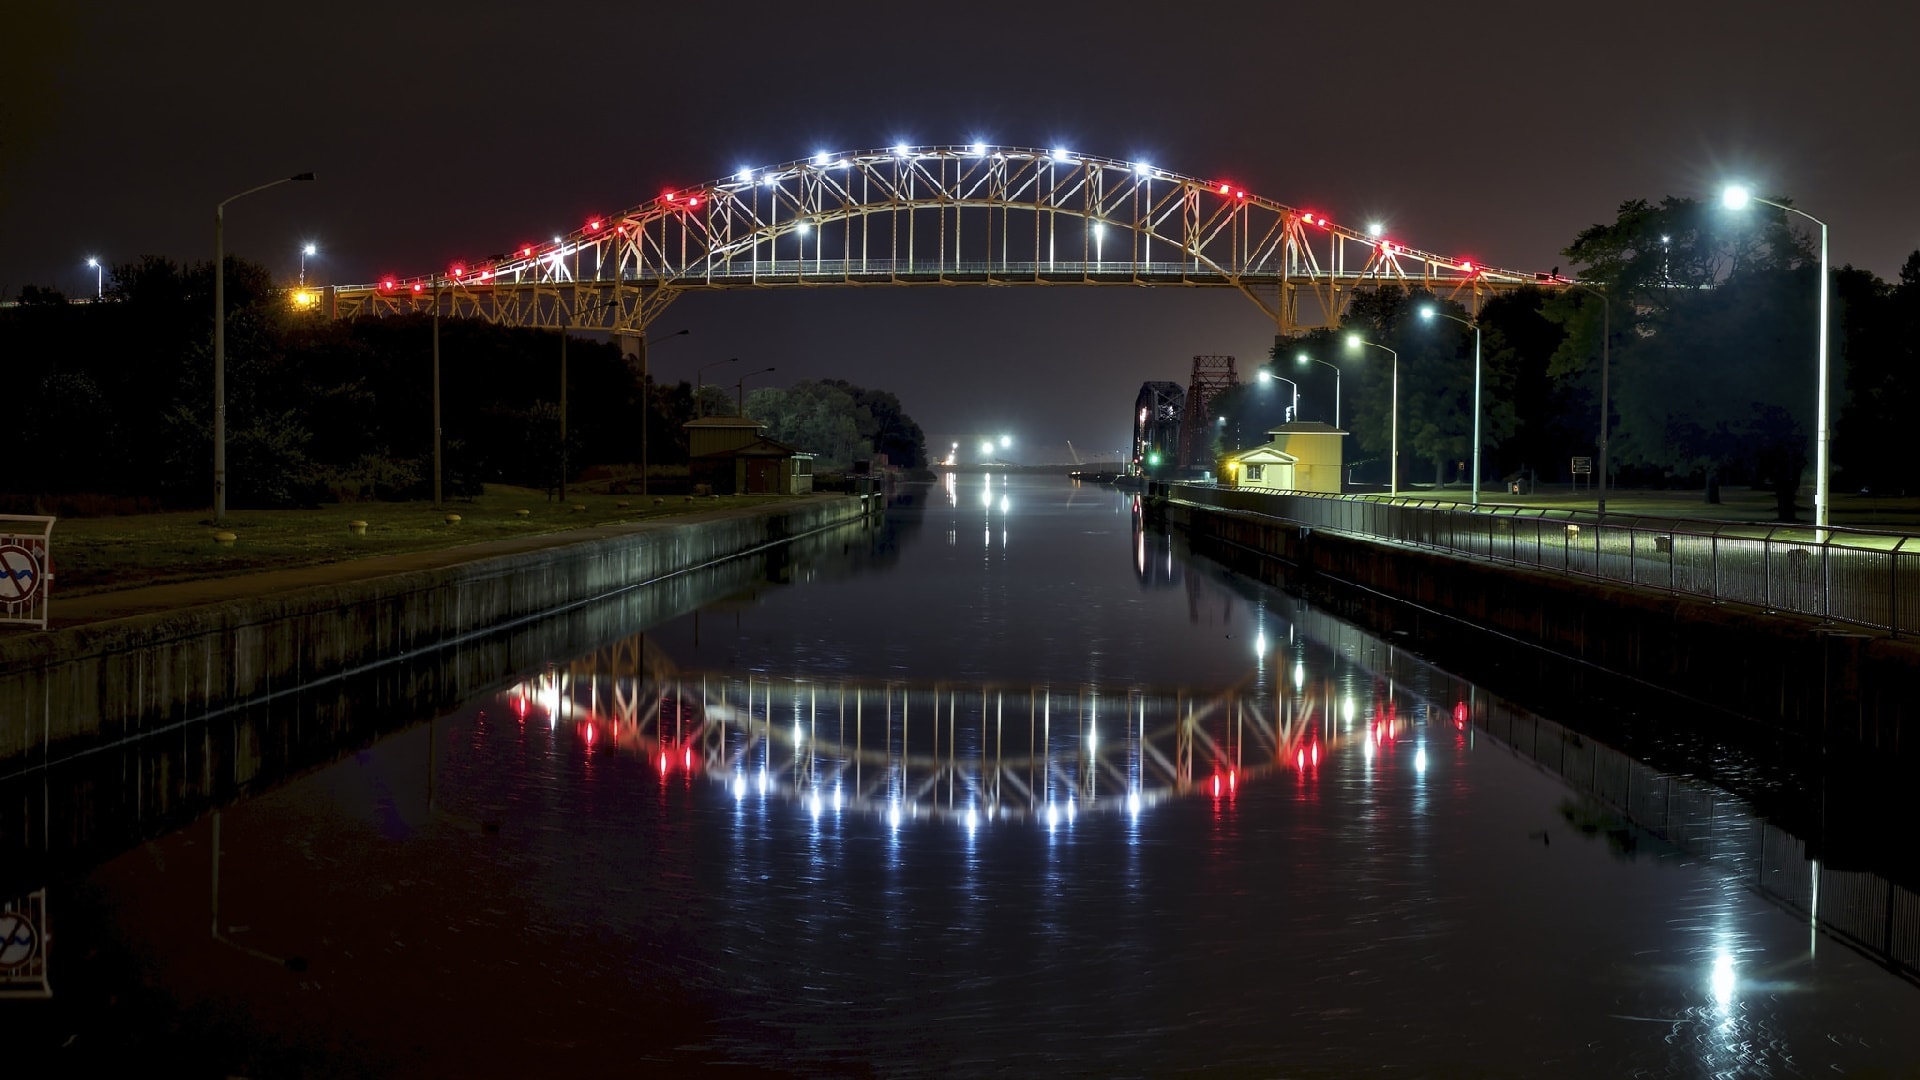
357, 528
453, 519
224, 539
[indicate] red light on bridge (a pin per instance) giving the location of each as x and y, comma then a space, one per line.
671, 196
1308, 218
695, 201
417, 287
1388, 247
485, 274
1239, 194
1226, 189
526, 251
459, 270
593, 226
387, 285
1467, 266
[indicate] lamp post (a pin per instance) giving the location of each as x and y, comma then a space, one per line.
1606, 341
306, 250
646, 399
1736, 198
740, 390
220, 342
1304, 358
697, 382
1355, 341
99, 278
1266, 375
1428, 313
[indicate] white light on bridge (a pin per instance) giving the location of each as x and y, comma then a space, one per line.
822, 158
900, 150
1141, 168
746, 175
1375, 228
1062, 156
803, 228
979, 148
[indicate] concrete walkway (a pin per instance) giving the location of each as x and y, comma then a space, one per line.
182, 595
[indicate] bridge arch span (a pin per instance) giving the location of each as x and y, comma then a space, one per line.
972, 214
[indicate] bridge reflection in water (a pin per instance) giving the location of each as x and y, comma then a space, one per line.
968, 753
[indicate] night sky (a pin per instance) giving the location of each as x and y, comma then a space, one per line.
448, 130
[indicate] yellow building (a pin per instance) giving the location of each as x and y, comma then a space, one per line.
1306, 455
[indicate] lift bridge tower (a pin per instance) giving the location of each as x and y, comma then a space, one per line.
1212, 376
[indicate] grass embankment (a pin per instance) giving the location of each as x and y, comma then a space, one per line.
93, 555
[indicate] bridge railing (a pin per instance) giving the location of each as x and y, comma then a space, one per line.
1856, 576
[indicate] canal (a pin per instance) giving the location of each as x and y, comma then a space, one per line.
1005, 783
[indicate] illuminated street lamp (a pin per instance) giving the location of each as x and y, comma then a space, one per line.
307, 249
1427, 313
1267, 375
1303, 358
220, 342
1736, 198
740, 390
1355, 341
99, 278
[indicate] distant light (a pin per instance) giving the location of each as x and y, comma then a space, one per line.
418, 287
1354, 341
1665, 239
1265, 376
1303, 358
822, 158
745, 175
1006, 440
1467, 266
458, 270
93, 264
1736, 197
671, 196
1226, 189
1062, 156
310, 249
1141, 168
1374, 228
979, 148
557, 240
1308, 218
1426, 313
594, 225
986, 446
900, 150
695, 201
526, 251
802, 228
769, 180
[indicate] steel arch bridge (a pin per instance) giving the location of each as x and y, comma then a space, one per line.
934, 215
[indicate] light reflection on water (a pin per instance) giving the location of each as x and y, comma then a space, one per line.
1067, 804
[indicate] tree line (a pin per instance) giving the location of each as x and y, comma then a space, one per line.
1711, 324
115, 400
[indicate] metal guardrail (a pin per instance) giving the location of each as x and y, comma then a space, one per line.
1856, 576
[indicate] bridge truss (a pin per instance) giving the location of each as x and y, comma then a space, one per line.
934, 215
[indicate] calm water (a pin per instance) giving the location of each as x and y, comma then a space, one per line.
1008, 785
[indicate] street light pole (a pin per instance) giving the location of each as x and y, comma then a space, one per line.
698, 372
646, 401
740, 391
99, 278
1736, 198
1606, 417
306, 250
1355, 341
1294, 413
1304, 358
1430, 312
220, 342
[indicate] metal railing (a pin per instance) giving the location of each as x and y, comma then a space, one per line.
1856, 576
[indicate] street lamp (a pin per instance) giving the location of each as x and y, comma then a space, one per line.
1304, 358
1736, 198
1606, 340
306, 250
220, 342
697, 372
1355, 341
99, 278
1267, 375
740, 390
646, 398
1427, 313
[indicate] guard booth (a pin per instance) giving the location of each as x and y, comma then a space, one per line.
729, 456
26, 569
1305, 455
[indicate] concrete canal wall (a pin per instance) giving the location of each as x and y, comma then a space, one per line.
1833, 686
63, 691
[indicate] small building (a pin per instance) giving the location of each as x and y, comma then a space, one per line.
727, 455
1306, 455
